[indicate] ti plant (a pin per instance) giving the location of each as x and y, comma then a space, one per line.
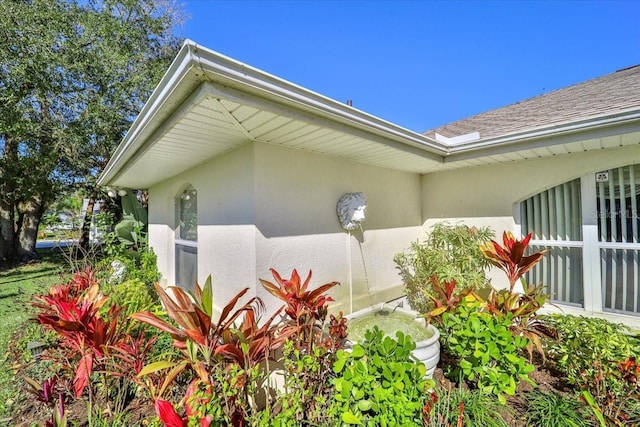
207, 344
446, 298
521, 308
306, 310
510, 257
71, 310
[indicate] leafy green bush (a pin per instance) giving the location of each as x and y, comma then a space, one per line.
548, 409
450, 252
133, 295
135, 266
599, 357
584, 343
307, 392
379, 383
485, 350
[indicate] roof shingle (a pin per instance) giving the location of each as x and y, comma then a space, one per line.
609, 94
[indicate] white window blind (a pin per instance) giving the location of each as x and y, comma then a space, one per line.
617, 213
554, 217
186, 242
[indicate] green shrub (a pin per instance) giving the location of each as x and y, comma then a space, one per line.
307, 392
140, 266
379, 383
133, 296
584, 342
450, 252
486, 351
548, 409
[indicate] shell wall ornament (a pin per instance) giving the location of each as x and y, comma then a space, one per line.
351, 210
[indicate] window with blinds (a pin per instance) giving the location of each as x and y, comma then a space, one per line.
617, 213
186, 242
554, 217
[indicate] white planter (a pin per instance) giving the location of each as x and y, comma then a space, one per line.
427, 350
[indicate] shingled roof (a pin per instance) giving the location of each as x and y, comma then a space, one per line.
609, 94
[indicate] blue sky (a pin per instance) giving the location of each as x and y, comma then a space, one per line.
421, 64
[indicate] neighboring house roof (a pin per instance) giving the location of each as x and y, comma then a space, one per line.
610, 94
208, 104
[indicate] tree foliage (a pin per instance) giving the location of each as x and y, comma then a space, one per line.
73, 76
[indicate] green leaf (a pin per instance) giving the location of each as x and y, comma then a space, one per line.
207, 297
357, 352
364, 405
349, 418
338, 365
155, 367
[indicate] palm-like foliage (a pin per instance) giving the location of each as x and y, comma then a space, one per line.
306, 309
510, 257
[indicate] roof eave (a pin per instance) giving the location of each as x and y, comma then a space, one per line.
195, 64
545, 136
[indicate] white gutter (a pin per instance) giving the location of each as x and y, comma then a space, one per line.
232, 73
247, 76
131, 143
590, 124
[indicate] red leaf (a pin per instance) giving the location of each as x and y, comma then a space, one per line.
85, 367
168, 415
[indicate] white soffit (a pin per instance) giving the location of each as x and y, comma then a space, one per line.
211, 126
208, 104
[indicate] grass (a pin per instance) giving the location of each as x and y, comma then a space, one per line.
17, 285
479, 410
552, 410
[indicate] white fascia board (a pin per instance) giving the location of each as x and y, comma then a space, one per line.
245, 77
195, 64
134, 139
547, 136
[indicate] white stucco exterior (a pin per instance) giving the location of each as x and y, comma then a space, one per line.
262, 207
269, 161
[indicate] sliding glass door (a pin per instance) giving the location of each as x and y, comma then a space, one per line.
617, 212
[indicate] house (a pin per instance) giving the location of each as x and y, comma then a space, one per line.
244, 171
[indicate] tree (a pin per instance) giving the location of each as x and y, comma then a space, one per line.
73, 76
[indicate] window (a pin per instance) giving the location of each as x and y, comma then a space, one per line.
618, 237
186, 242
554, 218
591, 229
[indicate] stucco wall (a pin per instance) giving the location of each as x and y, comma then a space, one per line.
296, 197
263, 206
487, 195
226, 217
491, 191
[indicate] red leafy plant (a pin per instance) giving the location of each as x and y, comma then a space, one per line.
95, 340
310, 350
170, 417
71, 310
306, 310
446, 298
510, 257
208, 344
44, 392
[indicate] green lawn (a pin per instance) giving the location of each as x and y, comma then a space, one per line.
16, 287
